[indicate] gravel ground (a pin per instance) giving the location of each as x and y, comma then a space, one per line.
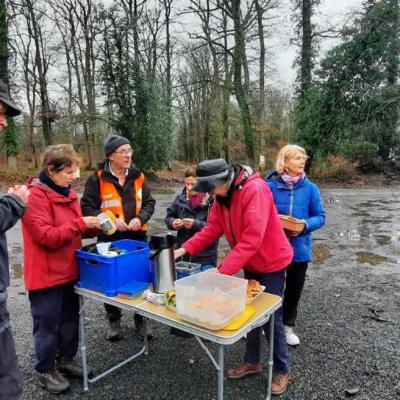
348, 321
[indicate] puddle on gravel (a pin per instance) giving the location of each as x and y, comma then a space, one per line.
321, 252
383, 240
334, 199
370, 258
371, 203
16, 271
360, 214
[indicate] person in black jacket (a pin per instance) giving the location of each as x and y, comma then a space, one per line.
12, 206
120, 187
188, 215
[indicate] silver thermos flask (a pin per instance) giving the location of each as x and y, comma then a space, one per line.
162, 262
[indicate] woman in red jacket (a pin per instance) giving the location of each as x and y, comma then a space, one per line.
52, 227
245, 213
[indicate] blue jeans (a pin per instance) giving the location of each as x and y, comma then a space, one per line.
274, 284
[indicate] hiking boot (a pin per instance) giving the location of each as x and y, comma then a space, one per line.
53, 382
244, 369
279, 383
114, 331
291, 338
71, 367
139, 325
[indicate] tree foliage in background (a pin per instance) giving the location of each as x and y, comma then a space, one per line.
138, 100
10, 136
352, 107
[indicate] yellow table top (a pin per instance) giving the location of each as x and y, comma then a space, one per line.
265, 305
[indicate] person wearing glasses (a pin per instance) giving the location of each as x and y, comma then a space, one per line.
295, 195
120, 187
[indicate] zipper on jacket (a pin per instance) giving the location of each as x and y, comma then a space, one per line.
291, 201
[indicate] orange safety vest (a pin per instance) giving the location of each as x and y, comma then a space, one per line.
111, 200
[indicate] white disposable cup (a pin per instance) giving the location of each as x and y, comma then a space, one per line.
103, 247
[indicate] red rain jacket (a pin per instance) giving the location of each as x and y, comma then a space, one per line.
252, 228
51, 227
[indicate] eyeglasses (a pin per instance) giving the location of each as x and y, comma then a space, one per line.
125, 153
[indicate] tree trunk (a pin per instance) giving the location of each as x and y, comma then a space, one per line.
226, 94
261, 90
241, 95
306, 47
3, 42
35, 32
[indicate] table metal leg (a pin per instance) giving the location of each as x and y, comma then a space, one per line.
271, 355
221, 372
83, 343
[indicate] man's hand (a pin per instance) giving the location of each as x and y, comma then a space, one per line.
21, 191
121, 225
188, 222
179, 253
92, 222
177, 224
135, 224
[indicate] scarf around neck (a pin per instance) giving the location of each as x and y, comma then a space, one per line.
196, 199
292, 181
44, 178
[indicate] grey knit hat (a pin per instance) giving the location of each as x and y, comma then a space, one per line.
113, 142
211, 173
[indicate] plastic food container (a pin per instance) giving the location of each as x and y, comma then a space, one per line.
184, 268
291, 224
107, 274
209, 299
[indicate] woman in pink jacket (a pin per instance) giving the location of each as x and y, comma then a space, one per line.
245, 213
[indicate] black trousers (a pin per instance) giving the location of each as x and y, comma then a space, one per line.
10, 374
55, 313
295, 277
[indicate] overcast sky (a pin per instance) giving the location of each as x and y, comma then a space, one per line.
332, 11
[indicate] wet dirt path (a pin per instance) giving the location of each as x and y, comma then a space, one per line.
348, 319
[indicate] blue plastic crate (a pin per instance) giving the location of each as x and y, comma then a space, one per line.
185, 268
108, 274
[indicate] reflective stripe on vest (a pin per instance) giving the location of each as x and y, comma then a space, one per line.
111, 200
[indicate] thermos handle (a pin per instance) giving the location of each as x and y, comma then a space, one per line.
154, 254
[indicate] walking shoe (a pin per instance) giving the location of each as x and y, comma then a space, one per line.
279, 383
291, 338
114, 331
140, 330
53, 382
244, 369
71, 367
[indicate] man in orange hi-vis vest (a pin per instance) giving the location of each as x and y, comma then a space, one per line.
120, 187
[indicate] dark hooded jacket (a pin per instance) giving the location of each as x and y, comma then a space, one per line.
11, 210
181, 208
90, 201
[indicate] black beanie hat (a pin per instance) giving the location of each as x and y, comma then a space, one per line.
113, 142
